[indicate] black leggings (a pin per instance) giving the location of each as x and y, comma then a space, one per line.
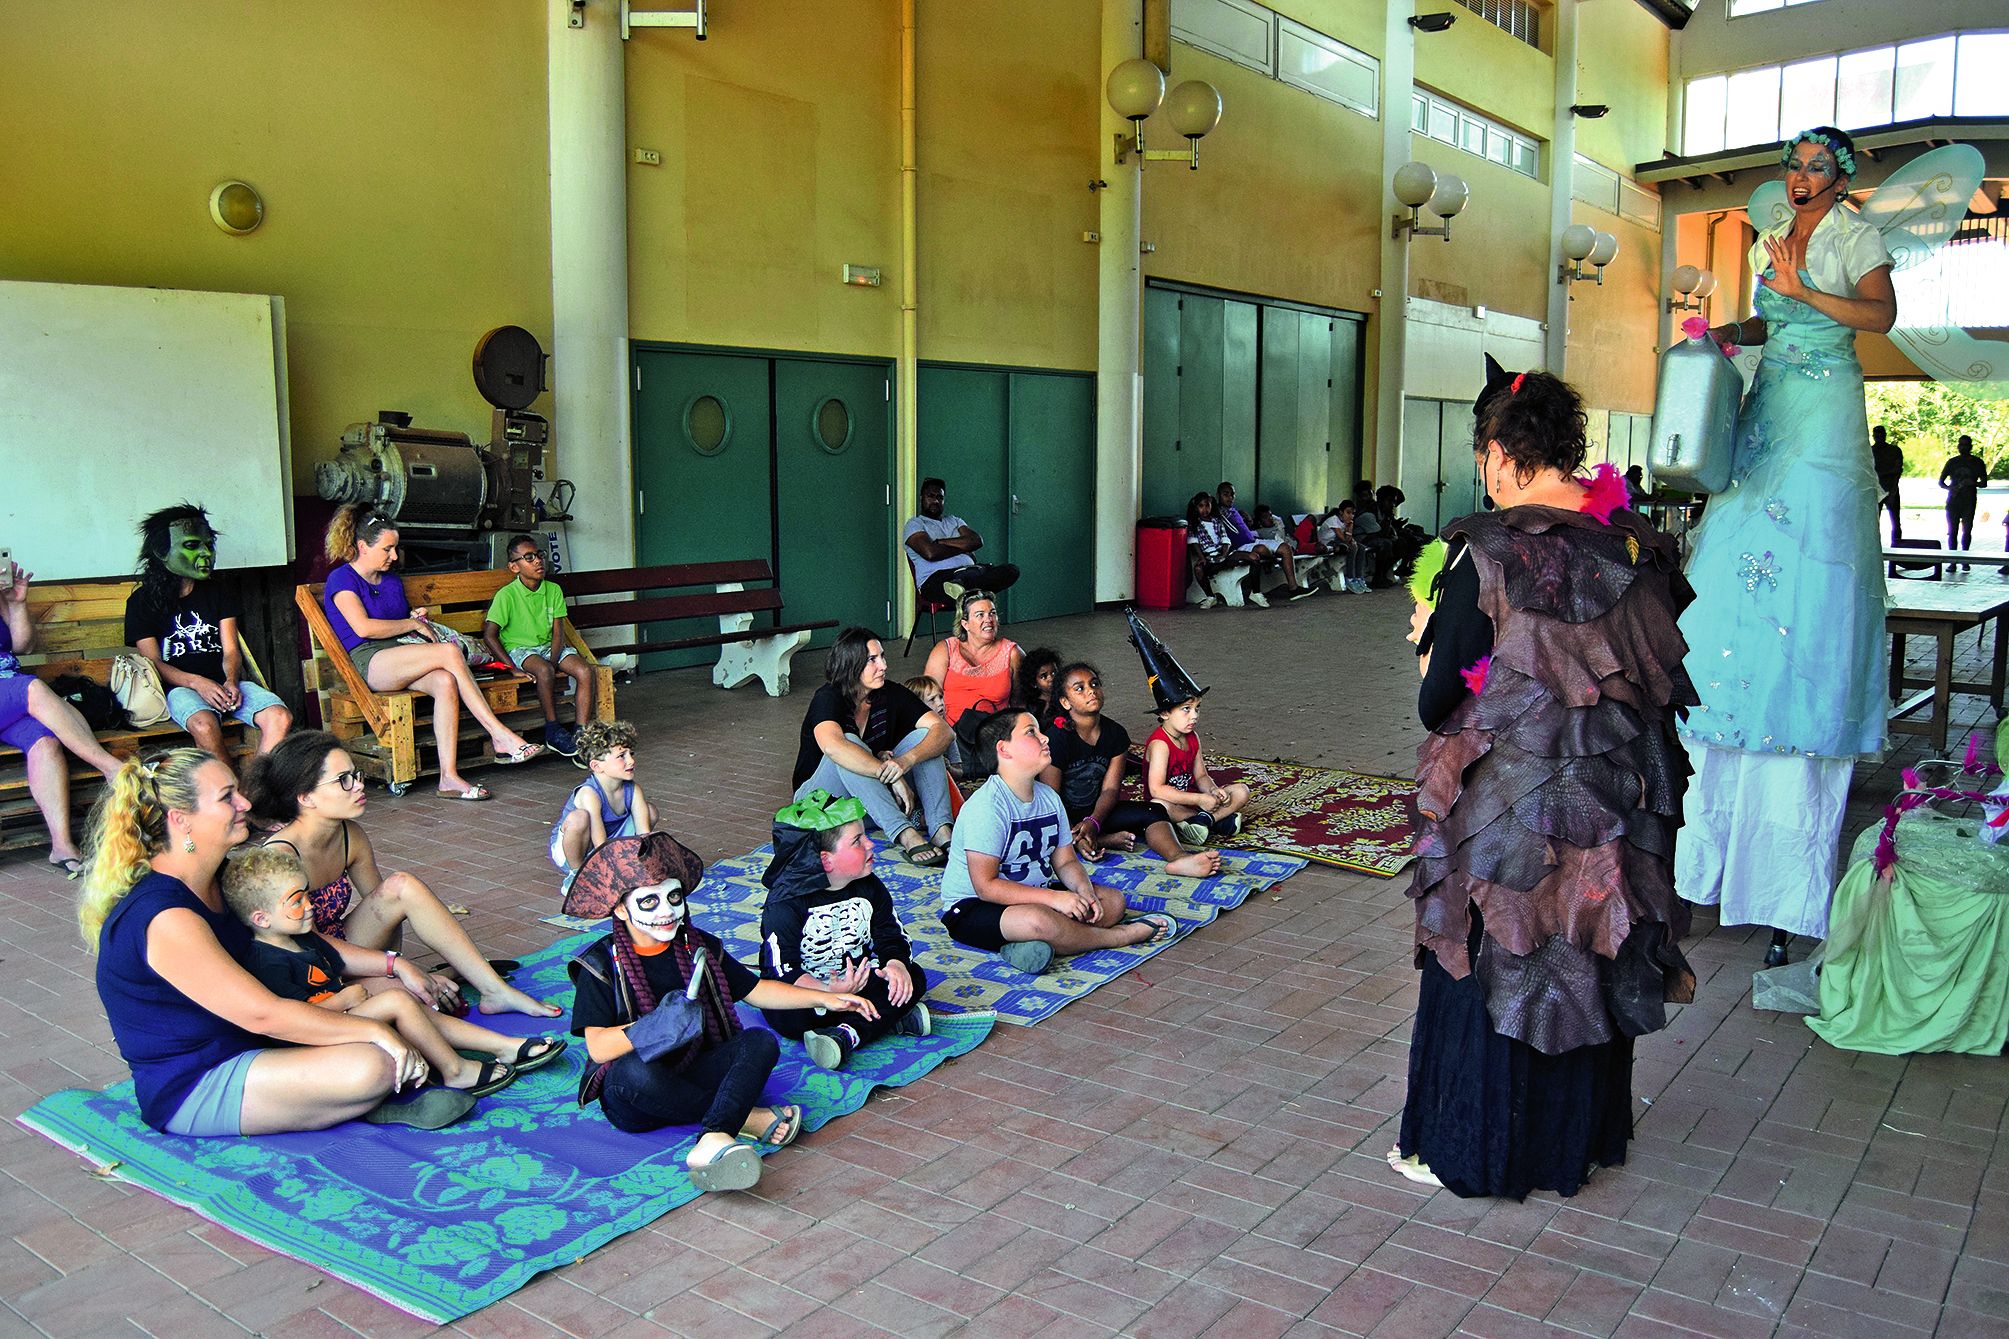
1960, 517
719, 1087
795, 1022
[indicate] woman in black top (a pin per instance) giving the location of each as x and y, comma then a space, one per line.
863, 736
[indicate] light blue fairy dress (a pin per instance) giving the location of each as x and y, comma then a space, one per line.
1786, 635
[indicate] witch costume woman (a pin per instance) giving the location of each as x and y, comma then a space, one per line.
1549, 794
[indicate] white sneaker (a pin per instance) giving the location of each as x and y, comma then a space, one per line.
1209, 601
1258, 599
1360, 587
1192, 836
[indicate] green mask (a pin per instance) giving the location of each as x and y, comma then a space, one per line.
191, 551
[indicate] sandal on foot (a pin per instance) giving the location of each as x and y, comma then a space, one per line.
925, 854
495, 1075
475, 792
734, 1167
1163, 927
1413, 1168
71, 867
521, 754
529, 1057
791, 1116
432, 1108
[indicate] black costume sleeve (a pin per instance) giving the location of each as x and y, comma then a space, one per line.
1458, 637
592, 1003
781, 938
889, 938
739, 978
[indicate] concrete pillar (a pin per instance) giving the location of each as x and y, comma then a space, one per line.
1119, 385
1562, 181
589, 278
1398, 83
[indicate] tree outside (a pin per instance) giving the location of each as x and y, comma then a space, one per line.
1926, 420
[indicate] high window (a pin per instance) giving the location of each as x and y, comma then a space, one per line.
1516, 18
1265, 41
1461, 127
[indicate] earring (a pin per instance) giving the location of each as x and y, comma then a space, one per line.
188, 845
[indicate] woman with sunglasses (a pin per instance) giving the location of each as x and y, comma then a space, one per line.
1089, 751
391, 645
312, 788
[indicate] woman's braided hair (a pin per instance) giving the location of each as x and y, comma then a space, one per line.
128, 827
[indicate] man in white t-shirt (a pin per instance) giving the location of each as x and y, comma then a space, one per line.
939, 547
1013, 884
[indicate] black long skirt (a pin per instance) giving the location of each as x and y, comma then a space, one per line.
1493, 1116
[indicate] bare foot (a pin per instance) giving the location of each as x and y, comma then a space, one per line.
1198, 865
1413, 1168
510, 1000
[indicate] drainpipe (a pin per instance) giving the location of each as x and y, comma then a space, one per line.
589, 275
906, 376
1119, 445
1398, 83
1562, 183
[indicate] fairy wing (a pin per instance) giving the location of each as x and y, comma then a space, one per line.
1919, 205
1768, 206
1917, 209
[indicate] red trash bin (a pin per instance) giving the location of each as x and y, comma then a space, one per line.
1161, 563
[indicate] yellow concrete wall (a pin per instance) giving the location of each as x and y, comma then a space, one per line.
1008, 105
1491, 72
1622, 59
1287, 199
780, 149
1498, 254
400, 149
1614, 325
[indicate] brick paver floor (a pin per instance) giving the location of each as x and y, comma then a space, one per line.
1194, 1149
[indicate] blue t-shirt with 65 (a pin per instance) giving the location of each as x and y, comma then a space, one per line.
1023, 835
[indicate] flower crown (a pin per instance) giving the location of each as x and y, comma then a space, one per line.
1845, 157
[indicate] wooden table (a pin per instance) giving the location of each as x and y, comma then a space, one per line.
1942, 611
1997, 560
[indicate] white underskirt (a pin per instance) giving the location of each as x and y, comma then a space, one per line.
1758, 836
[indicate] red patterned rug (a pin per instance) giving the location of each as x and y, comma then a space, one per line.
1347, 819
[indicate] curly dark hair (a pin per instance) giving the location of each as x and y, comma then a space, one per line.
155, 579
1539, 422
1027, 692
1193, 509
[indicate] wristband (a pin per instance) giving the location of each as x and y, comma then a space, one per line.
390, 962
1098, 826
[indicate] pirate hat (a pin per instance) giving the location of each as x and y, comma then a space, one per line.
620, 866
1170, 685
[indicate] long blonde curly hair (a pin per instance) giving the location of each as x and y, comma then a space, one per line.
352, 524
128, 828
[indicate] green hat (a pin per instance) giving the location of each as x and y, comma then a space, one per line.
818, 812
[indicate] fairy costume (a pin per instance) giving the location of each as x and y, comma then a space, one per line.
1786, 635
1549, 792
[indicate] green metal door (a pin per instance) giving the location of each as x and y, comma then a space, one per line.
1345, 409
1314, 413
1051, 454
1203, 400
1239, 378
1277, 444
963, 413
1164, 449
702, 436
835, 526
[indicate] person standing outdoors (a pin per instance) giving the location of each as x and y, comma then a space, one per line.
1962, 477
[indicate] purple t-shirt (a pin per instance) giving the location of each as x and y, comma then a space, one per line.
386, 600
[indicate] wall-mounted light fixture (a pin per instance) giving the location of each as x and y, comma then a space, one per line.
1693, 284
1432, 23
1135, 90
1418, 184
1581, 243
1590, 111
236, 208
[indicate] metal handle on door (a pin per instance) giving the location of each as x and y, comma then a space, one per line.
1014, 504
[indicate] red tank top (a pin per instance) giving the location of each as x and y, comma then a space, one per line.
1179, 767
986, 686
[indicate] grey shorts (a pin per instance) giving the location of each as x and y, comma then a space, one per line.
215, 1106
363, 653
519, 654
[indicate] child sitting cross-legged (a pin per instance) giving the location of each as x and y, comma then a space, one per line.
266, 888
1175, 771
608, 804
829, 925
1013, 884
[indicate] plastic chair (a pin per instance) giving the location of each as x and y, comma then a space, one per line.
924, 605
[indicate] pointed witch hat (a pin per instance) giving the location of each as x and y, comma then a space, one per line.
1169, 683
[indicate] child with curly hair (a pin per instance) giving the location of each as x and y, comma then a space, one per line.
609, 803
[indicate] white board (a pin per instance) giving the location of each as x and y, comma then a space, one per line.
115, 402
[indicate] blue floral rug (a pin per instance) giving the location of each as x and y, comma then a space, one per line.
729, 901
443, 1223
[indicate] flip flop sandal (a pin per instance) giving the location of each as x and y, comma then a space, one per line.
493, 1078
1164, 926
431, 1108
791, 1116
519, 755
927, 855
71, 868
735, 1167
527, 1059
472, 793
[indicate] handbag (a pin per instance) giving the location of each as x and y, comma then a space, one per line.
136, 684
472, 649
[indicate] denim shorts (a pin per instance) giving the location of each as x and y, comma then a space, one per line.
253, 698
215, 1106
519, 654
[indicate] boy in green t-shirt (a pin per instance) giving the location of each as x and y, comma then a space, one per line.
526, 626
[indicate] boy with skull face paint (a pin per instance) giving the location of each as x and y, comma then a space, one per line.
659, 987
829, 925
186, 623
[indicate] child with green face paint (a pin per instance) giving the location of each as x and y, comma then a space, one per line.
186, 623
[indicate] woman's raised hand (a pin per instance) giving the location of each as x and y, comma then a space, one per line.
1788, 255
14, 583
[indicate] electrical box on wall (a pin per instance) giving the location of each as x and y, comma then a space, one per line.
862, 276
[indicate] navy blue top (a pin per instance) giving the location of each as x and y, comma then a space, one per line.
168, 1040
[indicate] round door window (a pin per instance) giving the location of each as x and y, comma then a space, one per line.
707, 425
831, 425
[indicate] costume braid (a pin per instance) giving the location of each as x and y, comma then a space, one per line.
630, 964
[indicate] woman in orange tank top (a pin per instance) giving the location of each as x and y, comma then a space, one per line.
978, 665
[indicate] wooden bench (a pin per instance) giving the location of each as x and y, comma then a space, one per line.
747, 652
1942, 611
80, 627
381, 730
